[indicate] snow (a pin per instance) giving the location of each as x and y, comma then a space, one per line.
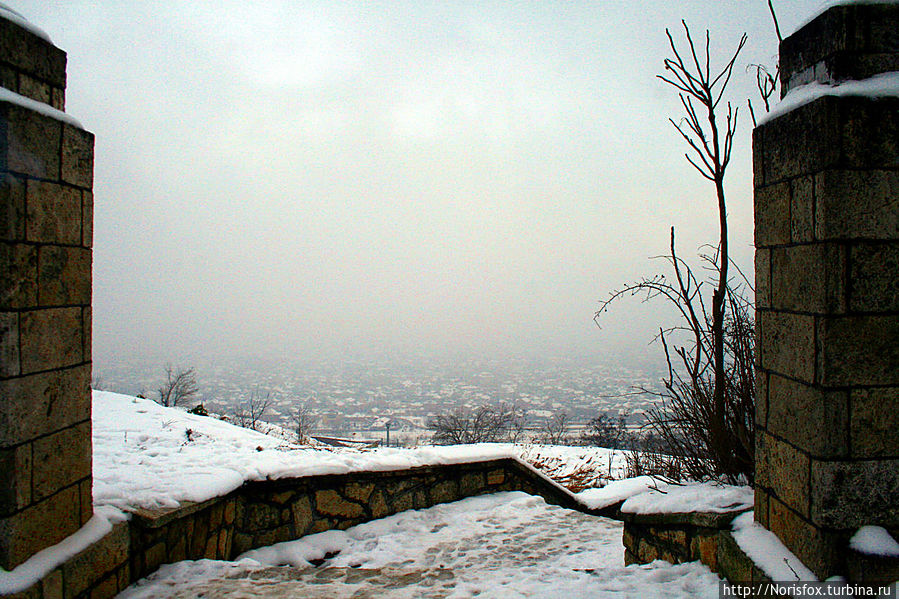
874, 540
616, 491
11, 15
12, 97
823, 6
694, 497
767, 551
42, 563
878, 86
501, 545
143, 455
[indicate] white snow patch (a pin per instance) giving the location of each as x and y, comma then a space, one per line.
43, 562
616, 491
874, 540
11, 15
693, 497
767, 551
144, 456
12, 97
879, 86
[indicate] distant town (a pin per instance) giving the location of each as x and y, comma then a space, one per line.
357, 400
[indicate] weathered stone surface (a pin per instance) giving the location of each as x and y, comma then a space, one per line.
856, 205
802, 210
378, 505
359, 491
874, 281
875, 422
260, 516
328, 502
77, 157
15, 493
26, 52
38, 404
51, 585
772, 213
61, 459
809, 278
54, 213
760, 507
817, 549
9, 344
18, 276
787, 344
801, 142
761, 398
763, 278
471, 484
853, 494
12, 208
87, 499
87, 219
31, 144
86, 333
496, 477
50, 338
26, 532
858, 350
800, 413
34, 89
444, 492
783, 471
100, 559
64, 276
732, 563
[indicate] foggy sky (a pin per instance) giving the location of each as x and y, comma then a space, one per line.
322, 179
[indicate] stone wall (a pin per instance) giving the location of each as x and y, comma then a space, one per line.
267, 512
46, 211
827, 294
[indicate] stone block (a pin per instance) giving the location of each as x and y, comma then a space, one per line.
12, 208
54, 213
51, 338
35, 89
77, 157
763, 278
37, 527
97, 561
870, 132
856, 205
471, 483
18, 276
444, 492
329, 503
787, 344
496, 477
229, 513
62, 459
359, 491
64, 276
819, 550
801, 142
760, 507
802, 210
87, 499
36, 56
51, 585
31, 143
772, 215
39, 404
15, 493
378, 505
874, 282
858, 350
87, 333
9, 344
814, 420
809, 278
853, 494
875, 422
761, 398
106, 588
783, 471
87, 219
58, 98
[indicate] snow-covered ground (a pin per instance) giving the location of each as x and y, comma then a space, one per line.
502, 545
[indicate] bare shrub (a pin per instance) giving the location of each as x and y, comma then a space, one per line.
486, 424
606, 431
179, 388
555, 429
250, 411
303, 423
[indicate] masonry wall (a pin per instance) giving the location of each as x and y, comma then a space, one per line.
827, 293
46, 211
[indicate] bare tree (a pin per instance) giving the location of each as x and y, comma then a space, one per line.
555, 429
706, 411
303, 423
606, 431
250, 411
180, 386
485, 424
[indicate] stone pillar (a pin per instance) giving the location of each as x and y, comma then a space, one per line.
827, 293
46, 214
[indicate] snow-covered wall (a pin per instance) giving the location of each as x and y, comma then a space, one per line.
827, 266
46, 211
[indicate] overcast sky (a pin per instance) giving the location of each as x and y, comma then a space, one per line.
320, 179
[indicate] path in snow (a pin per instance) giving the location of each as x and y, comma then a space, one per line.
502, 545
